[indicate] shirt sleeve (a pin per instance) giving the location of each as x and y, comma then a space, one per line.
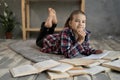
87, 49
86, 45
69, 47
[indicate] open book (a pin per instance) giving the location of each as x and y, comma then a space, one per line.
78, 61
115, 65
33, 69
92, 71
63, 67
97, 56
112, 55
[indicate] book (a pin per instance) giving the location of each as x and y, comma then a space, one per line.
54, 75
112, 55
33, 69
63, 67
115, 65
76, 72
98, 62
92, 71
97, 56
78, 61
96, 69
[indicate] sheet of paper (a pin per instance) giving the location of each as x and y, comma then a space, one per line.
97, 56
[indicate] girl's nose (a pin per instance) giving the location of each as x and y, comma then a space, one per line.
80, 22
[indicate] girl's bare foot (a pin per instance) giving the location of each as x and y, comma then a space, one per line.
54, 16
49, 20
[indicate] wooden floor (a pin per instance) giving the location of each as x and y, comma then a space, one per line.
9, 59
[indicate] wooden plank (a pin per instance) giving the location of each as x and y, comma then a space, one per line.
27, 17
38, 29
100, 44
83, 5
23, 19
114, 45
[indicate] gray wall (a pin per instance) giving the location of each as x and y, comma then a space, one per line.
102, 15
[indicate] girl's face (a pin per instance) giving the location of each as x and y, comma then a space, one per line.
78, 22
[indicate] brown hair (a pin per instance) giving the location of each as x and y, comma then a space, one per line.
71, 17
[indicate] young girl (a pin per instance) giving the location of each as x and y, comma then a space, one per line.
72, 41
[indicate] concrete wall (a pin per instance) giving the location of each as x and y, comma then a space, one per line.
102, 15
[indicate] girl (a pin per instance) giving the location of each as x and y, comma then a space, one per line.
72, 41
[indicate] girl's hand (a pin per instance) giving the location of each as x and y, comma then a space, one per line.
81, 35
98, 51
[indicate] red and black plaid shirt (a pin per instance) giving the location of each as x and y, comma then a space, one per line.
65, 43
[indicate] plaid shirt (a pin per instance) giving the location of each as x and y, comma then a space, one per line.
65, 43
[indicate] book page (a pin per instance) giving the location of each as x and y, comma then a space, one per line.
92, 70
23, 70
44, 65
112, 55
61, 68
76, 72
78, 61
113, 65
96, 69
99, 62
96, 56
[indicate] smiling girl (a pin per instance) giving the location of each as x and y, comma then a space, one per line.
72, 41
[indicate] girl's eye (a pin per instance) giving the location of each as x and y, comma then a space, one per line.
83, 21
77, 20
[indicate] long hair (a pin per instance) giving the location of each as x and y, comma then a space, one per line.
70, 18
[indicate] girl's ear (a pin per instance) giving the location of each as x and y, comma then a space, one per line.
69, 23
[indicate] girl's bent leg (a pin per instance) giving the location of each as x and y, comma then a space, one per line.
52, 29
43, 32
